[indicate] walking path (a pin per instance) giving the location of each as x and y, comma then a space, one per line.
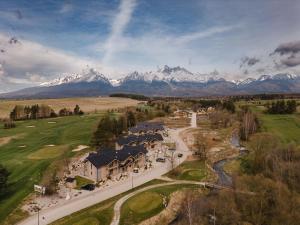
121, 201
71, 206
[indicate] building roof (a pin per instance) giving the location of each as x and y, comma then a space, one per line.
106, 156
146, 126
139, 138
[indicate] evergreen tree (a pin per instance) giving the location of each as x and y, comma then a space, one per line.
77, 110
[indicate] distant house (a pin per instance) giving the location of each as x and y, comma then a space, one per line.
181, 113
111, 163
146, 128
148, 140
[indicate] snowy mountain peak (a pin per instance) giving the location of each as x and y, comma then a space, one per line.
166, 74
284, 76
264, 77
89, 75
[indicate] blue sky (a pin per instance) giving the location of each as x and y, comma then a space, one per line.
41, 40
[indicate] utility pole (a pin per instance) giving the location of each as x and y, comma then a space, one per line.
132, 181
38, 209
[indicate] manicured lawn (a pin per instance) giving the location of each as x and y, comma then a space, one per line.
189, 170
286, 127
27, 155
49, 152
147, 204
81, 181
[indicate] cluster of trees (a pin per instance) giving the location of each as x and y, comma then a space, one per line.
220, 119
229, 106
110, 127
282, 107
31, 112
3, 179
132, 96
40, 111
249, 123
266, 191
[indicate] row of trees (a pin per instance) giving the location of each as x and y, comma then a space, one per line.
282, 107
40, 111
112, 125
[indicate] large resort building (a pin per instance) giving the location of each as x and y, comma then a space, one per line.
110, 163
131, 152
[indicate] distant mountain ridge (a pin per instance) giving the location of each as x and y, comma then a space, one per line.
166, 81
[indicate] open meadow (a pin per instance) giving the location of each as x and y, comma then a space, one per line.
285, 126
88, 105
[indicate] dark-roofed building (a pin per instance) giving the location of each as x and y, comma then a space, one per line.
146, 127
110, 163
147, 140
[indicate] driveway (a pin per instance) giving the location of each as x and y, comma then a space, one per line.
71, 206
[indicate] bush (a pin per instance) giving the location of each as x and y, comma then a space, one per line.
8, 124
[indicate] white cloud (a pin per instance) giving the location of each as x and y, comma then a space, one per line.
203, 34
30, 63
118, 26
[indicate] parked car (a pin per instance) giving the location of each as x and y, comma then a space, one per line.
136, 170
160, 160
88, 187
179, 155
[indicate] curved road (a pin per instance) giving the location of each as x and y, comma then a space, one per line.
71, 206
121, 201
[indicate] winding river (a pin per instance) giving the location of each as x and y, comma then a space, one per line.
225, 179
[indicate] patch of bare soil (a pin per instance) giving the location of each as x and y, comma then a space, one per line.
175, 122
169, 213
188, 136
6, 140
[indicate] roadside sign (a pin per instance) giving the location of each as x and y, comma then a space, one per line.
39, 189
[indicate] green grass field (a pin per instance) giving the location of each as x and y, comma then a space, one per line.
189, 170
37, 144
147, 204
286, 127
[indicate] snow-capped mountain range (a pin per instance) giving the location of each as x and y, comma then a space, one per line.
166, 81
165, 74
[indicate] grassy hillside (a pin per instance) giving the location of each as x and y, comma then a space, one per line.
86, 104
33, 146
287, 127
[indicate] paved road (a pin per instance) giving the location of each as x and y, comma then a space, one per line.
71, 206
194, 120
